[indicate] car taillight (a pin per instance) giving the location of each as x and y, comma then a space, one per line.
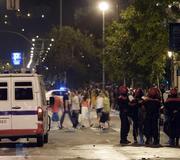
40, 114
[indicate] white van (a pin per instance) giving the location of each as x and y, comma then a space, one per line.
23, 108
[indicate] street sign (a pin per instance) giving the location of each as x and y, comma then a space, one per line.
13, 4
174, 37
16, 58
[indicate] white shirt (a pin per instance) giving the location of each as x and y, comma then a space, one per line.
99, 102
75, 103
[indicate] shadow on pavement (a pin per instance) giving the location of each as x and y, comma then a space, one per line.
17, 145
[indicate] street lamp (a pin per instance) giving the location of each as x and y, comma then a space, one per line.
170, 55
103, 6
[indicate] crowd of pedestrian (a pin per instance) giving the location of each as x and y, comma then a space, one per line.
134, 105
78, 106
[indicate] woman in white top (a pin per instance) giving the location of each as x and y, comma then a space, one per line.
86, 107
99, 106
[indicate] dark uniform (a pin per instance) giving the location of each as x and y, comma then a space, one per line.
172, 123
136, 114
152, 107
123, 104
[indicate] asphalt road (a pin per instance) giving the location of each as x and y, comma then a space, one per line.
86, 144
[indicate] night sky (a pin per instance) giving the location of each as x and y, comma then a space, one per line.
34, 25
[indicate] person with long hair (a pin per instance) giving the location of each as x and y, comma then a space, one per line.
85, 111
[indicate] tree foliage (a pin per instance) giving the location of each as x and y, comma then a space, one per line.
74, 54
137, 43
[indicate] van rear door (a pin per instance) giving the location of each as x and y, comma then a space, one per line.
24, 104
5, 104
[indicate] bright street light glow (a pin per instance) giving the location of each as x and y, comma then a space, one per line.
37, 36
103, 6
6, 16
5, 22
22, 30
28, 14
33, 40
32, 51
32, 48
42, 16
33, 44
169, 6
170, 54
50, 44
52, 39
49, 49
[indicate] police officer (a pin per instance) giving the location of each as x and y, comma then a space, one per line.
152, 107
123, 104
172, 125
136, 114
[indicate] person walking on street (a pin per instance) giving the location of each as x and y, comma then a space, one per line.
105, 117
66, 109
55, 111
99, 106
123, 104
86, 107
75, 108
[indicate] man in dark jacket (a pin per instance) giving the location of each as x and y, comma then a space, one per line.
172, 123
136, 114
123, 104
152, 107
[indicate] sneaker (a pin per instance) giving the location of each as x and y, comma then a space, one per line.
124, 142
61, 127
147, 142
103, 128
141, 141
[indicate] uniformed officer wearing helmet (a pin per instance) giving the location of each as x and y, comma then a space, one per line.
152, 107
123, 104
172, 125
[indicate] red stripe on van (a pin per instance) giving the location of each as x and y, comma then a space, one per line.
18, 132
14, 132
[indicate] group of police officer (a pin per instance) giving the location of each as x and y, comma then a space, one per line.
144, 111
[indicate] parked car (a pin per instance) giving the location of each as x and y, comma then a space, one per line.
58, 92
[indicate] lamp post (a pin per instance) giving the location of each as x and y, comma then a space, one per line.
103, 6
60, 14
170, 55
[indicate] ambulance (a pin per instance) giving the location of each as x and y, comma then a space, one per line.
23, 107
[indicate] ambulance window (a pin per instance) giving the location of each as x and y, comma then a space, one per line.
23, 91
3, 91
3, 84
23, 83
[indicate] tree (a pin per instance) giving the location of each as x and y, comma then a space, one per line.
73, 54
137, 43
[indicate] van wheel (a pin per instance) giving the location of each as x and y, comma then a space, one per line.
40, 140
46, 138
